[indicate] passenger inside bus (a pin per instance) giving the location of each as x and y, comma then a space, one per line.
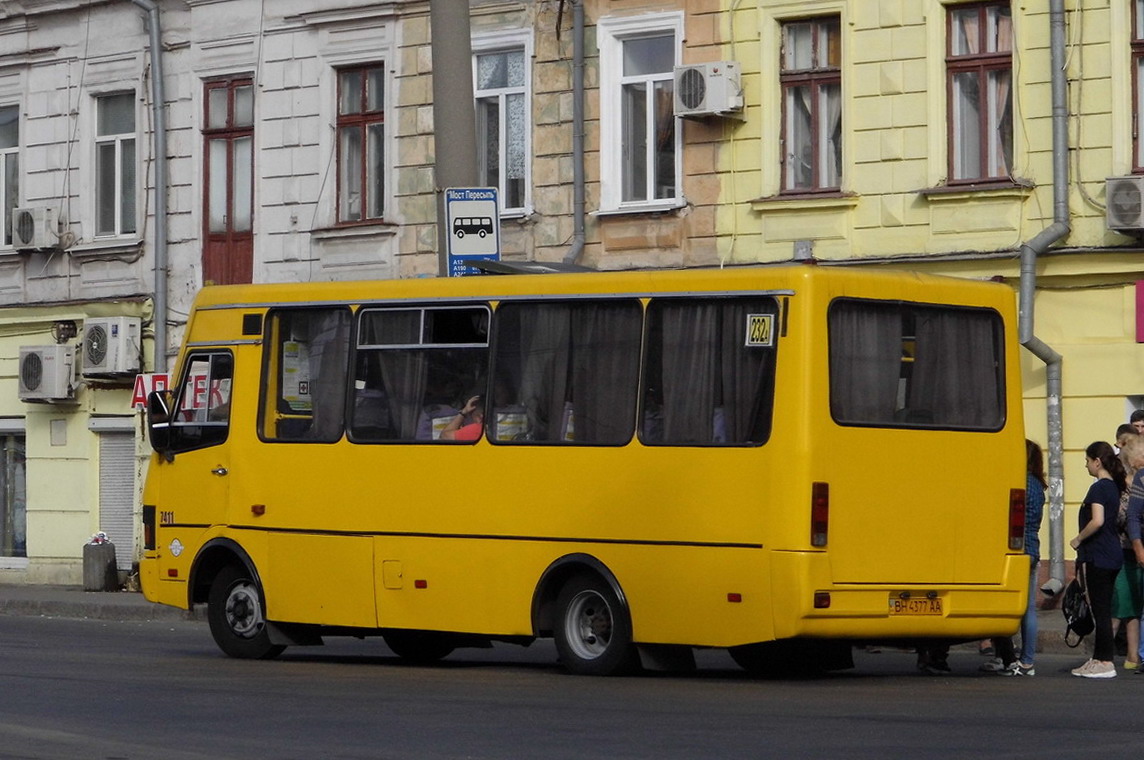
468, 424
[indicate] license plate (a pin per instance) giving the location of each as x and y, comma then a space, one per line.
915, 606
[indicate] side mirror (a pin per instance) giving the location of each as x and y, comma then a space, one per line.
159, 421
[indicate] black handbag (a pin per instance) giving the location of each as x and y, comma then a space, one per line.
1078, 613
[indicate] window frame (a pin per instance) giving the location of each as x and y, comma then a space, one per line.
816, 78
118, 140
9, 154
984, 65
362, 121
231, 131
611, 34
517, 40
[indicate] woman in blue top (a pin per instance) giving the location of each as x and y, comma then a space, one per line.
1035, 485
1098, 553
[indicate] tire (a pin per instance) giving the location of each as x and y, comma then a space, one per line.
235, 614
421, 647
593, 629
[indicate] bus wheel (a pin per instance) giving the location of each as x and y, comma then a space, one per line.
593, 629
234, 611
422, 647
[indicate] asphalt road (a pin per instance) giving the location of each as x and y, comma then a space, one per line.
159, 689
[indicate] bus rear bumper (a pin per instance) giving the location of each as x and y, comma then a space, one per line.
822, 609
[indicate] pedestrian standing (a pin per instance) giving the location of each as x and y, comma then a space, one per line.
1099, 557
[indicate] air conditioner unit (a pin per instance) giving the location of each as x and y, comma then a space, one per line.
1125, 203
111, 346
36, 227
47, 373
708, 89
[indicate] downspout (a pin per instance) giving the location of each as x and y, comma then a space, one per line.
159, 122
1056, 231
578, 204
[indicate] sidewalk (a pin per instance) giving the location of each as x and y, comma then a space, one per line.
74, 602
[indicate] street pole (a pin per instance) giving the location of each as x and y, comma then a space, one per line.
454, 115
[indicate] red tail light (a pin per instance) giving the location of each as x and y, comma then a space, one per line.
1016, 519
819, 513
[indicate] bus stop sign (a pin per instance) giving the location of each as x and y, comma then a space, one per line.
473, 215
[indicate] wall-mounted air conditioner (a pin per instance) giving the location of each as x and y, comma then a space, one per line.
111, 346
35, 227
1124, 196
708, 89
47, 373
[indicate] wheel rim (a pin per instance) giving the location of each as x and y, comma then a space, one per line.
589, 625
244, 611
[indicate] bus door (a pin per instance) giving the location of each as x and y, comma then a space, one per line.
195, 468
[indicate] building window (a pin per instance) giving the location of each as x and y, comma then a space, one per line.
228, 189
640, 148
980, 69
361, 133
1137, 80
9, 166
115, 164
502, 125
811, 80
13, 497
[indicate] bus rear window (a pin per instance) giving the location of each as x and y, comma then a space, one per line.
896, 364
709, 375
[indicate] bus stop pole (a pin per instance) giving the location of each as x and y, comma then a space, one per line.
454, 115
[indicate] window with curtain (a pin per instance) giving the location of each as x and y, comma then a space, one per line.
811, 80
979, 65
361, 143
566, 372
9, 167
709, 372
229, 134
305, 375
115, 180
502, 125
414, 368
895, 364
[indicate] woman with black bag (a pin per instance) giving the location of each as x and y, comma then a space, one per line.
1098, 553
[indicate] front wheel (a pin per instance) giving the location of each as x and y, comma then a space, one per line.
237, 622
593, 629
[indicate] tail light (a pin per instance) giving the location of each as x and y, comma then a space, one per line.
148, 527
819, 513
1017, 519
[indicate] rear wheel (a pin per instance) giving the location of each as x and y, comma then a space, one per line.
593, 629
422, 647
237, 622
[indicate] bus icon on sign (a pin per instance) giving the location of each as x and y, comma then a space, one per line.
472, 225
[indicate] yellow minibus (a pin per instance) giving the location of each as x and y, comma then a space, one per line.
782, 461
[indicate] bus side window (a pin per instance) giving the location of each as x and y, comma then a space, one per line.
566, 372
709, 372
414, 368
304, 374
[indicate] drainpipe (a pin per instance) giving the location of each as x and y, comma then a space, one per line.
578, 205
159, 122
1058, 230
